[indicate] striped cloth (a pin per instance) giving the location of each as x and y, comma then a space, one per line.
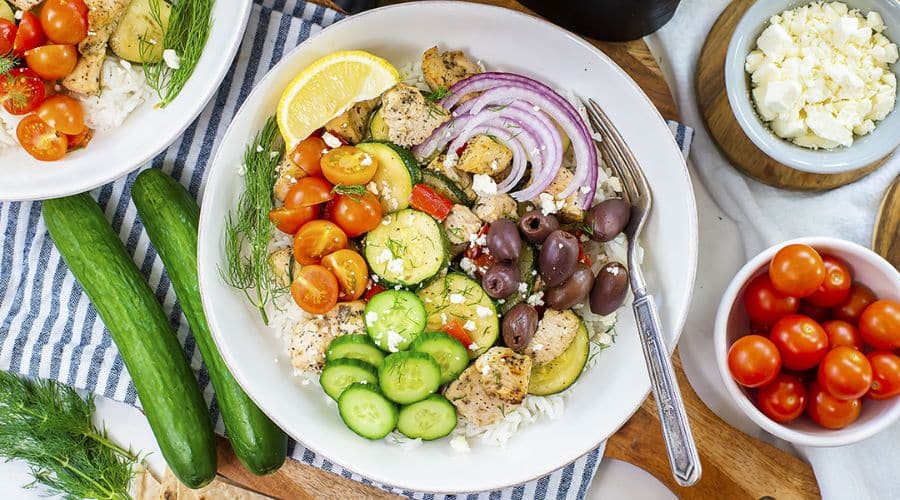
49, 328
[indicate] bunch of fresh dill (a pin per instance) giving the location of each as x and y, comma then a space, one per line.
48, 425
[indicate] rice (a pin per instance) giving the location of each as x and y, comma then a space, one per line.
7, 131
123, 88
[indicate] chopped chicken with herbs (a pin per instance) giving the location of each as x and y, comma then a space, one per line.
555, 332
460, 223
484, 155
570, 211
103, 16
311, 336
443, 69
409, 117
493, 208
490, 388
353, 124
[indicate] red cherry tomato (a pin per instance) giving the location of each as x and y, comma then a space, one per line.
351, 271
357, 214
21, 91
845, 373
7, 36
783, 400
836, 287
63, 113
308, 154
764, 304
797, 270
879, 325
65, 21
817, 313
289, 220
52, 62
753, 361
800, 340
842, 333
851, 309
316, 239
315, 289
40, 140
28, 35
828, 411
308, 191
885, 375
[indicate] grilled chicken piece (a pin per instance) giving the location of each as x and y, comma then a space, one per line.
25, 4
288, 173
409, 117
311, 337
103, 16
554, 334
570, 211
353, 124
443, 69
492, 208
460, 223
485, 403
347, 317
484, 155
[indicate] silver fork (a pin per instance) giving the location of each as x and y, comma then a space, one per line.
680, 446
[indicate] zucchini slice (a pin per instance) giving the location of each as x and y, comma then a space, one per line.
378, 130
407, 248
446, 187
559, 374
398, 171
457, 297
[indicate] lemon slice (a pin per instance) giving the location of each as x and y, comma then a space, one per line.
327, 88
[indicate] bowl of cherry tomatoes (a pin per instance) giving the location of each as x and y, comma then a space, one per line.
807, 340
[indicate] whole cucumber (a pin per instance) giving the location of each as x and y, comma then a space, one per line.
171, 217
169, 393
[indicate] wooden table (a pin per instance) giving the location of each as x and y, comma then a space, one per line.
735, 465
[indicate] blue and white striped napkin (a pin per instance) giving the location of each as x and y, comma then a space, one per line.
49, 328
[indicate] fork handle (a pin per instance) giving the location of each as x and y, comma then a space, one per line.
680, 446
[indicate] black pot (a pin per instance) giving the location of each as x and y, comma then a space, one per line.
611, 20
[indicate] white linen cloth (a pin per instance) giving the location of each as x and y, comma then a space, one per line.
763, 216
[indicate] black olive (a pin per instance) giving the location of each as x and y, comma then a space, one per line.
610, 287
504, 241
535, 226
500, 280
558, 257
572, 291
519, 325
608, 218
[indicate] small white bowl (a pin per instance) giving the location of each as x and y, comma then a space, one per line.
732, 322
864, 151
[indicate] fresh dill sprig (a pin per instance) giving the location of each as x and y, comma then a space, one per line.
438, 94
248, 232
7, 63
48, 425
190, 22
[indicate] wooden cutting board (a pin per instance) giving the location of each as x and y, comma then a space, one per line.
735, 466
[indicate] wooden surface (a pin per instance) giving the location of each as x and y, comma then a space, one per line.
886, 233
735, 466
727, 133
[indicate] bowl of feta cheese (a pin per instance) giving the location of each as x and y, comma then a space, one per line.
814, 84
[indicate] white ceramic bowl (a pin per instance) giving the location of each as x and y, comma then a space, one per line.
732, 322
145, 132
604, 397
864, 150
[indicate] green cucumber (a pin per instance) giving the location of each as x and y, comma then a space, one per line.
398, 171
378, 130
527, 275
366, 411
560, 373
171, 217
407, 377
446, 187
456, 297
432, 418
355, 346
407, 248
449, 353
165, 383
394, 318
340, 373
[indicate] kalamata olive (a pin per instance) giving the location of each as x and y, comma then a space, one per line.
572, 291
536, 226
519, 325
610, 287
504, 241
559, 254
608, 218
500, 280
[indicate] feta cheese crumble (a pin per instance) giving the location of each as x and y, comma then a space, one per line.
456, 298
484, 185
171, 58
331, 140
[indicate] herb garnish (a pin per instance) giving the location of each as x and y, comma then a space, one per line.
438, 94
7, 63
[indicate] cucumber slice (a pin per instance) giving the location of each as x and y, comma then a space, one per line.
444, 186
407, 248
559, 374
378, 130
449, 353
432, 418
407, 377
457, 297
354, 346
398, 172
366, 411
394, 318
340, 373
525, 266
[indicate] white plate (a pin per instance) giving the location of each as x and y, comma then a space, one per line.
606, 396
146, 132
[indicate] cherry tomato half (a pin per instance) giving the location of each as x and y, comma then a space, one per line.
357, 214
801, 341
62, 113
845, 373
829, 411
851, 309
28, 35
21, 91
764, 304
65, 21
842, 333
753, 361
879, 325
316, 239
40, 140
308, 154
348, 165
797, 270
289, 220
52, 62
315, 289
836, 287
351, 271
885, 375
7, 36
783, 400
308, 191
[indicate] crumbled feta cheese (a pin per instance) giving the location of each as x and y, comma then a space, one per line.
523, 287
372, 188
170, 57
331, 140
443, 318
482, 311
18, 15
536, 299
394, 339
456, 298
395, 266
468, 266
366, 160
384, 256
259, 148
242, 169
481, 240
549, 204
470, 325
486, 369
537, 347
375, 278
371, 317
484, 185
473, 346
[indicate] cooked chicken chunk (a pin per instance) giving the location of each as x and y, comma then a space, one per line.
347, 317
443, 69
354, 123
555, 332
492, 208
570, 211
283, 266
484, 155
485, 403
288, 173
25, 4
460, 223
311, 337
410, 119
103, 16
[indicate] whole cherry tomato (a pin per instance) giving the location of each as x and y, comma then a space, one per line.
801, 341
764, 304
7, 36
289, 220
21, 91
357, 214
351, 271
753, 361
65, 21
842, 333
829, 411
797, 270
308, 154
885, 375
52, 62
851, 309
782, 400
308, 191
40, 140
879, 325
316, 239
817, 313
845, 373
836, 287
28, 35
315, 289
348, 165
62, 113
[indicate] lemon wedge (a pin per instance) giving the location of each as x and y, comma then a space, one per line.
327, 88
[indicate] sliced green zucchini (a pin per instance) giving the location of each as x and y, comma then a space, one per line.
449, 353
355, 346
559, 374
340, 373
457, 297
366, 411
446, 187
407, 377
407, 248
432, 418
378, 130
394, 318
398, 171
527, 275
